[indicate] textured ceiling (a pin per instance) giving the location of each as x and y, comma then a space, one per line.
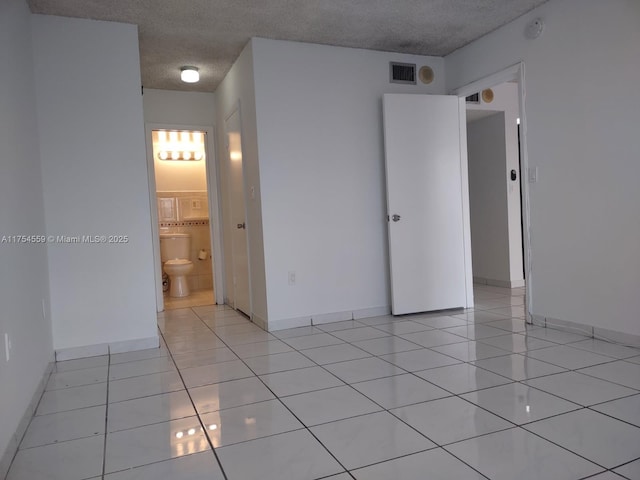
211, 33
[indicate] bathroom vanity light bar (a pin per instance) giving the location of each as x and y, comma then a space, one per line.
180, 155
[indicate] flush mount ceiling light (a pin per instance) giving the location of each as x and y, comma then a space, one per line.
189, 74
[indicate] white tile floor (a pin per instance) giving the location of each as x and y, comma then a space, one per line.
468, 395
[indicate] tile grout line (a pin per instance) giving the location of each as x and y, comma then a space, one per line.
458, 395
349, 384
304, 427
204, 430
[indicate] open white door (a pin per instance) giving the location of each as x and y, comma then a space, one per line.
424, 202
239, 243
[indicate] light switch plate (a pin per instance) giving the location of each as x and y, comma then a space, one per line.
533, 174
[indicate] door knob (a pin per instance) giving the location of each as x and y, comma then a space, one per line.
395, 217
241, 226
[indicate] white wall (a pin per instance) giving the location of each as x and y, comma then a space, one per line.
494, 197
319, 114
178, 108
581, 111
23, 276
237, 88
94, 170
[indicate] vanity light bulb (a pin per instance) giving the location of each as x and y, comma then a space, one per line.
186, 155
191, 431
213, 426
175, 155
163, 155
179, 435
198, 155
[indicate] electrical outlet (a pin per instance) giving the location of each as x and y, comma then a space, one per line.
533, 174
292, 278
7, 346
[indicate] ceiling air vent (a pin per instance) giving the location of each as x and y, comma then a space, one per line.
402, 73
475, 98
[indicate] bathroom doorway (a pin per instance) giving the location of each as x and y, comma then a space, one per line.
187, 250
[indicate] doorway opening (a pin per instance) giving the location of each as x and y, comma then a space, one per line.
493, 154
183, 217
498, 193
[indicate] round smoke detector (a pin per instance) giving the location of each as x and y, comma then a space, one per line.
426, 75
534, 28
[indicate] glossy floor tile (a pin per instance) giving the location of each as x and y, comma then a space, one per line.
149, 410
154, 443
621, 372
280, 362
470, 351
459, 394
422, 359
518, 367
197, 466
328, 405
289, 455
517, 454
211, 398
400, 390
144, 386
604, 440
579, 388
450, 420
299, 381
462, 378
64, 426
335, 353
360, 441
519, 403
441, 465
248, 422
568, 357
631, 470
626, 409
72, 398
73, 460
363, 369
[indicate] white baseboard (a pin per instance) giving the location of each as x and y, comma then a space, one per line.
587, 330
321, 318
331, 317
617, 337
16, 438
499, 283
372, 312
285, 323
107, 348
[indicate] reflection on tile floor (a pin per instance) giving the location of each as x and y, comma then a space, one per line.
195, 299
469, 395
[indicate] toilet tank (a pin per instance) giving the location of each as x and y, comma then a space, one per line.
174, 245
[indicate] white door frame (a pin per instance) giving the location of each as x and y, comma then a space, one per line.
514, 72
215, 232
236, 108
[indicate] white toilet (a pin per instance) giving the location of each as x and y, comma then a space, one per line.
174, 254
